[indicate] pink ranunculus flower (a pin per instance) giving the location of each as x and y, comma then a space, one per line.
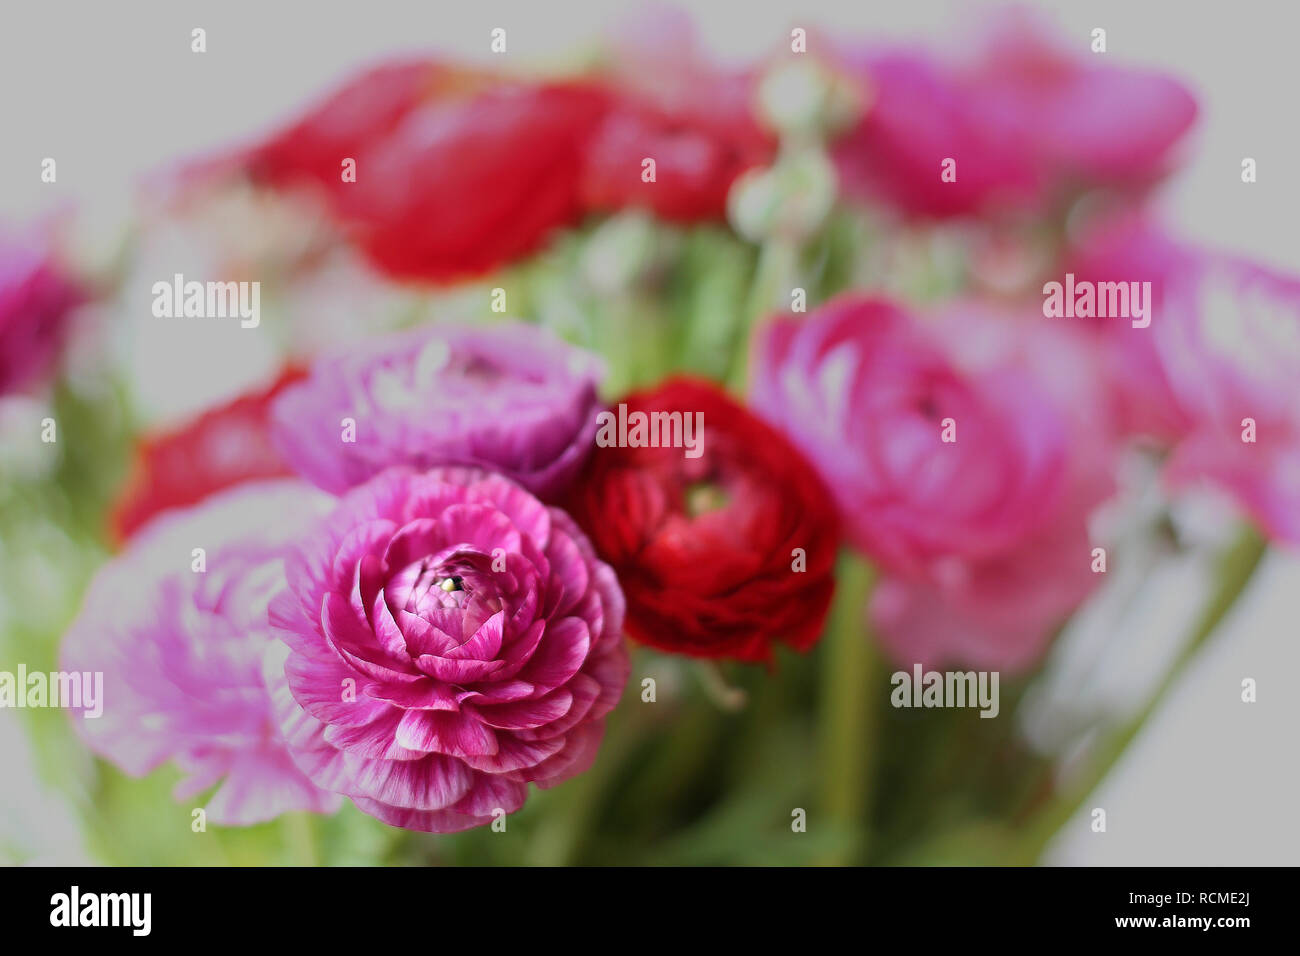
509, 397
1128, 248
1223, 346
1230, 347
181, 647
865, 389
447, 640
983, 542
36, 299
917, 117
1026, 119
998, 611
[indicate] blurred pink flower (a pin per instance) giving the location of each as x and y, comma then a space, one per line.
1027, 119
918, 116
36, 298
449, 639
999, 611
1230, 347
1223, 346
983, 541
181, 651
510, 397
863, 389
1128, 249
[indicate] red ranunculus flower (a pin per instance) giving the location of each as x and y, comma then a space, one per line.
224, 446
724, 544
699, 150
672, 104
463, 186
358, 114
457, 171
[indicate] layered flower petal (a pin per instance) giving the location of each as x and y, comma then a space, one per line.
433, 659
509, 397
723, 551
178, 625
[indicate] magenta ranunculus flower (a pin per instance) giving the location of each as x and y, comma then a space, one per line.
35, 301
865, 390
180, 638
1026, 119
447, 639
509, 397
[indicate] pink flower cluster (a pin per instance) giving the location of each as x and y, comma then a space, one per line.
427, 644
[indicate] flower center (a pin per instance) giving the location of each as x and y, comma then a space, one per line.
434, 587
705, 496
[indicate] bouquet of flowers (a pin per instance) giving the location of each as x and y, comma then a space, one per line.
654, 463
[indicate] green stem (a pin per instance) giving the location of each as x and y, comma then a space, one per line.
774, 270
848, 729
720, 692
558, 840
1237, 566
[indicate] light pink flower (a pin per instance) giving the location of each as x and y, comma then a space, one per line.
181, 651
448, 639
1223, 346
1129, 249
1230, 346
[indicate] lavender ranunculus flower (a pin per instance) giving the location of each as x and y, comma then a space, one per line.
509, 397
35, 301
180, 638
447, 639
